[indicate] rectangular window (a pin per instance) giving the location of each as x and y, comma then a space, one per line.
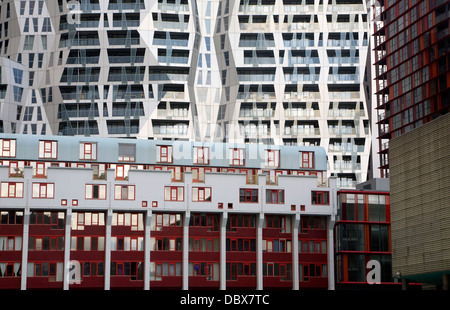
201, 194
124, 192
7, 148
201, 155
88, 151
320, 198
164, 154
95, 191
248, 195
174, 193
307, 160
275, 196
48, 149
11, 190
272, 158
127, 152
43, 190
237, 157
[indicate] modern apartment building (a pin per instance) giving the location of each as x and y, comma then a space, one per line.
250, 71
412, 67
109, 213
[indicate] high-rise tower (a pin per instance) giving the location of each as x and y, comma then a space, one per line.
255, 71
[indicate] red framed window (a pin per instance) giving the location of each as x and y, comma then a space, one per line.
281, 223
11, 189
161, 220
170, 270
210, 221
82, 219
56, 220
124, 192
174, 193
92, 269
51, 270
164, 154
306, 159
237, 157
95, 191
177, 173
277, 245
201, 155
198, 174
201, 194
127, 243
320, 198
248, 195
10, 243
10, 269
133, 270
279, 270
43, 190
165, 244
133, 220
121, 171
275, 196
237, 270
88, 151
204, 269
40, 170
272, 158
240, 245
312, 270
7, 148
48, 149
46, 243
16, 169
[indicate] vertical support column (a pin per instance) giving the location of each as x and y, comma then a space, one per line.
108, 250
187, 217
67, 241
330, 252
26, 230
295, 262
223, 251
147, 250
259, 252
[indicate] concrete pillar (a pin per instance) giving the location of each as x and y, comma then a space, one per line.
108, 250
148, 220
259, 252
67, 242
223, 251
330, 252
295, 226
26, 227
187, 217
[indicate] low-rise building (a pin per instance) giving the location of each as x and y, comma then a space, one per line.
106, 213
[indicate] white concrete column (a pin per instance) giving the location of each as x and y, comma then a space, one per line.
148, 220
259, 253
108, 250
67, 242
25, 235
330, 251
295, 226
187, 217
223, 251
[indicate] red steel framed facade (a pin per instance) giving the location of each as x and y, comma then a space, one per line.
412, 61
